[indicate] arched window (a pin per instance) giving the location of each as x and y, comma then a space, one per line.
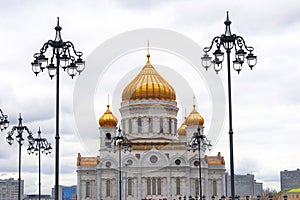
88, 189
153, 186
107, 188
148, 186
215, 188
129, 126
159, 186
170, 125
177, 186
150, 125
139, 125
197, 186
161, 125
123, 126
129, 186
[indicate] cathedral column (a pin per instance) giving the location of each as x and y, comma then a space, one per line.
187, 181
205, 182
223, 184
169, 185
145, 125
79, 184
134, 125
156, 125
173, 130
139, 186
98, 185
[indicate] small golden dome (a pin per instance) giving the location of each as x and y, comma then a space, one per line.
194, 118
182, 129
148, 84
108, 119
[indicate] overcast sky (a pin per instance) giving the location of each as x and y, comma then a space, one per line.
266, 100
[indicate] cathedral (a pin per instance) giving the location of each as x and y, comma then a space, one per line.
158, 165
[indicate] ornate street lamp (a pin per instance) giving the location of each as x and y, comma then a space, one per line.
236, 43
37, 146
65, 56
199, 142
120, 142
4, 123
19, 130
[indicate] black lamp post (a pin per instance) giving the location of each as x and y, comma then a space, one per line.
37, 146
120, 142
19, 130
4, 123
63, 55
229, 42
199, 142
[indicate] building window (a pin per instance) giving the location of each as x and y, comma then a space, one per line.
123, 126
215, 188
197, 185
177, 186
148, 186
129, 126
88, 189
153, 159
108, 188
161, 125
129, 186
139, 125
137, 155
177, 161
108, 164
153, 186
150, 125
159, 186
170, 125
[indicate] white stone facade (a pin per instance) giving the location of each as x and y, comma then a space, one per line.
151, 164
156, 172
158, 167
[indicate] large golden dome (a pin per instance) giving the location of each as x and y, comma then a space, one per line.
108, 119
148, 84
194, 118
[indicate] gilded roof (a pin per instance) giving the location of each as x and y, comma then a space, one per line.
194, 118
87, 161
148, 84
108, 119
215, 160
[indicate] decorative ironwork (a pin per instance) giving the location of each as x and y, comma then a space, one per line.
4, 123
229, 42
199, 142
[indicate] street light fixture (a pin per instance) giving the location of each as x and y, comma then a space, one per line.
199, 142
229, 42
120, 142
4, 123
68, 59
19, 130
37, 146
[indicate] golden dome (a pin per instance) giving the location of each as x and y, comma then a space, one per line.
148, 84
182, 129
194, 118
108, 119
